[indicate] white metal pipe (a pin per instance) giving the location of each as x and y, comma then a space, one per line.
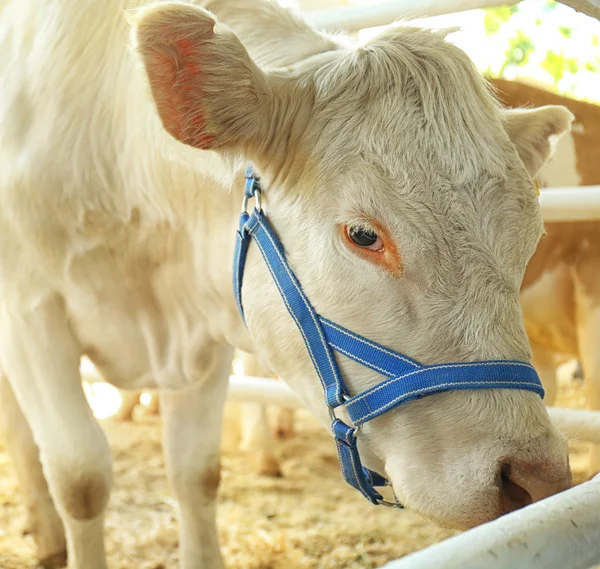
577, 424
560, 532
581, 203
354, 18
262, 390
246, 388
574, 423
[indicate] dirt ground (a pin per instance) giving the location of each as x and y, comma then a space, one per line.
308, 519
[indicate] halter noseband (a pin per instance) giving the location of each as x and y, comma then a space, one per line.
405, 379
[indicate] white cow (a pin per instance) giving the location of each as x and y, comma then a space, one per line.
560, 291
117, 242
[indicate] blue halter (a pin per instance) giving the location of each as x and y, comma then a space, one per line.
405, 379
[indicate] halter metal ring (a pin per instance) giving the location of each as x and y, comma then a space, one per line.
332, 416
389, 504
257, 205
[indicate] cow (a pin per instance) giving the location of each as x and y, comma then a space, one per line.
400, 187
559, 286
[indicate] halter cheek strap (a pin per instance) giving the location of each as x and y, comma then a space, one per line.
404, 378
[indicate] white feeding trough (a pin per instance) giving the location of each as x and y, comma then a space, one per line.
560, 532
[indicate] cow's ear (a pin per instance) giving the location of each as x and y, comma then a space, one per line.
534, 131
208, 92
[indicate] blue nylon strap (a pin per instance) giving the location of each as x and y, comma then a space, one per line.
299, 308
365, 352
405, 380
410, 380
432, 379
354, 473
352, 469
242, 240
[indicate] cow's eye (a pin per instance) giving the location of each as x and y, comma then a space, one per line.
365, 238
374, 245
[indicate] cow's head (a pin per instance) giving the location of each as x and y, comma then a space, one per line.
403, 194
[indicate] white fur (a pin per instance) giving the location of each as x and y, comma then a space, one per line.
117, 242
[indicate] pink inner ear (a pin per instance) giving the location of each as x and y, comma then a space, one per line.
176, 81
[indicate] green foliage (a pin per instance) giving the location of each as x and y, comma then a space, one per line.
593, 66
565, 32
495, 18
556, 64
519, 48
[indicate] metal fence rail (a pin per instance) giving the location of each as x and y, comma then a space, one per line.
580, 203
354, 18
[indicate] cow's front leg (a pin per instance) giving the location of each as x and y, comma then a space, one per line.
192, 419
41, 357
257, 439
43, 521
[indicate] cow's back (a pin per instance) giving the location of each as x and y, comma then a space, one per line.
548, 291
578, 149
76, 129
574, 164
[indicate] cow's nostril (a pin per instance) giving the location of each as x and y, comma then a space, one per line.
512, 496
